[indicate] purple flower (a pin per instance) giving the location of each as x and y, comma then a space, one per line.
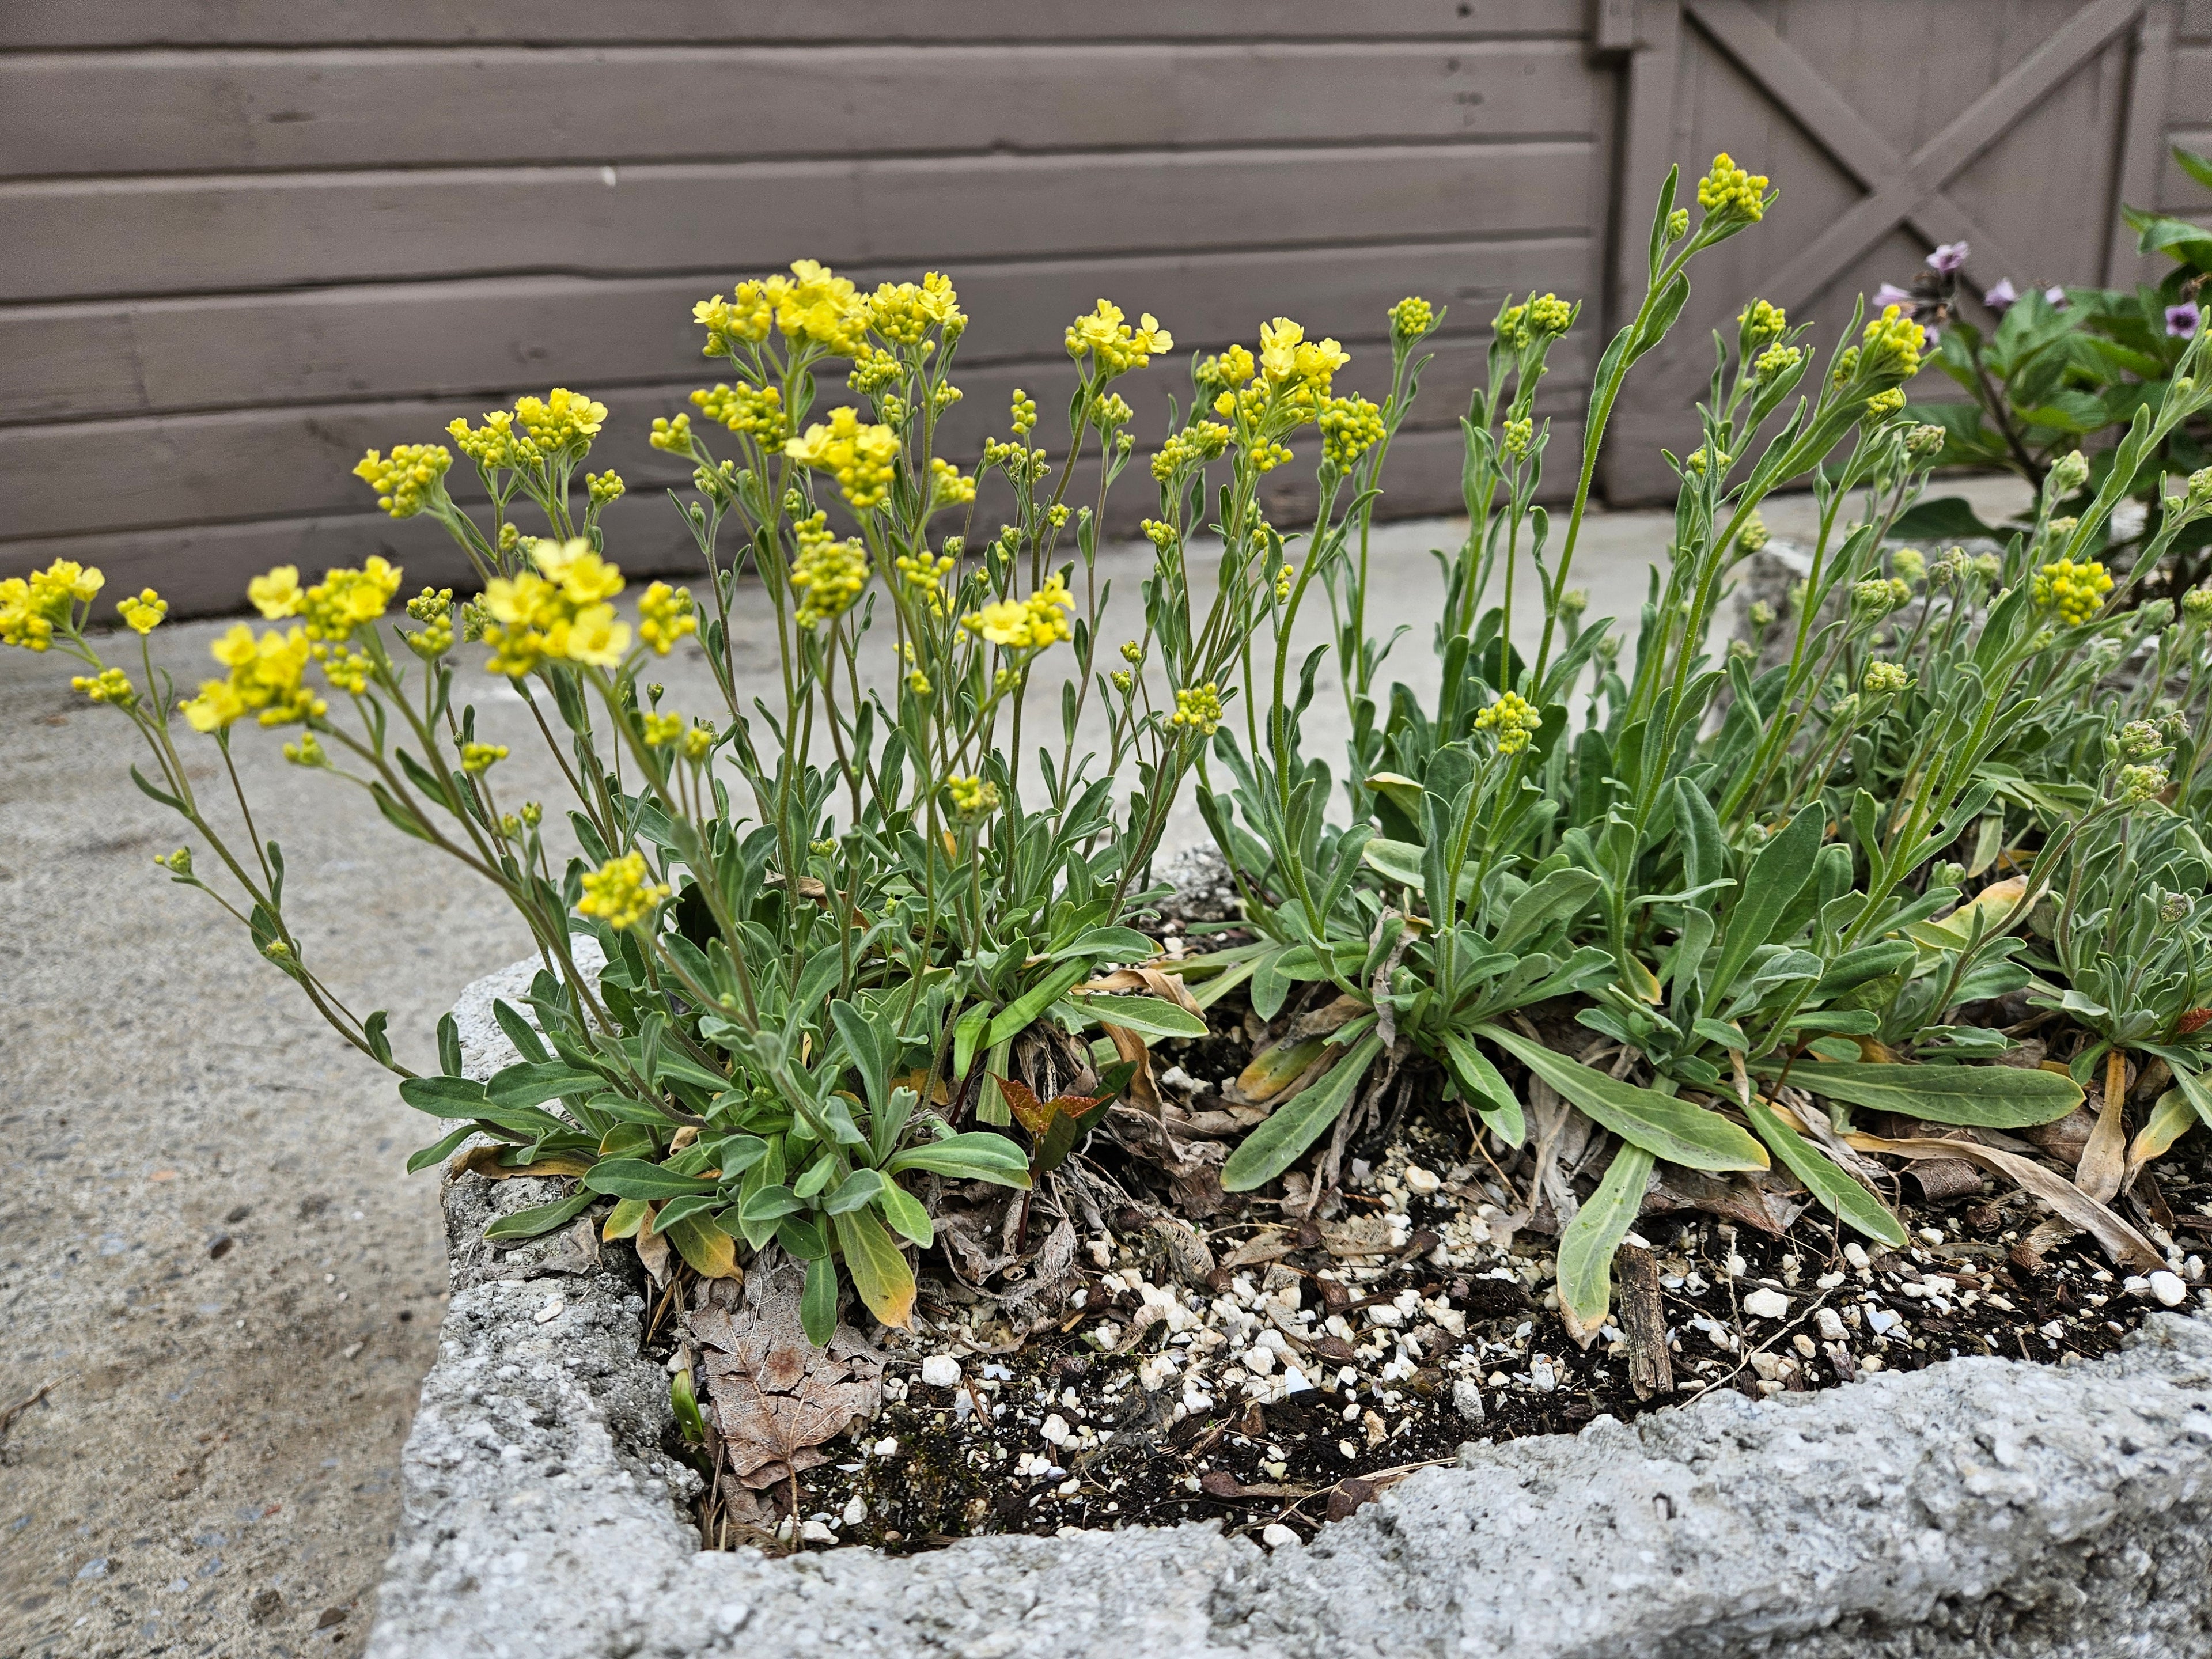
2181, 319
1890, 294
2002, 296
1947, 258
2056, 297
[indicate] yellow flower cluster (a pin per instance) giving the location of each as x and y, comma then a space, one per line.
31, 607
2076, 591
1884, 679
1198, 708
1229, 370
265, 680
859, 456
661, 730
1696, 461
1777, 361
559, 612
479, 759
972, 797
1288, 359
1162, 536
947, 486
142, 614
433, 608
1519, 435
1513, 719
333, 607
1194, 445
408, 480
1411, 317
605, 487
109, 685
664, 617
1754, 534
903, 312
1892, 343
1542, 317
307, 752
1760, 322
1104, 335
827, 573
562, 420
1727, 192
812, 306
1028, 624
923, 572
493, 444
621, 892
1883, 405
755, 410
672, 435
1350, 427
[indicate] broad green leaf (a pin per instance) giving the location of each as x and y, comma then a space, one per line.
444, 1096
634, 1177
1298, 1122
1485, 1090
904, 1213
1560, 894
529, 1224
1832, 1185
853, 1192
623, 1221
519, 1032
1586, 1248
530, 1083
1663, 1126
1983, 1097
975, 1156
878, 1267
1399, 863
1154, 1016
818, 1303
1771, 883
1117, 944
1017, 1014
439, 1150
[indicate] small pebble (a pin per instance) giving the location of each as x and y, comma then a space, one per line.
551, 1311
1422, 1182
2168, 1288
1766, 1304
817, 1531
1467, 1399
1055, 1430
1276, 1536
1855, 1253
941, 1371
1932, 1235
856, 1509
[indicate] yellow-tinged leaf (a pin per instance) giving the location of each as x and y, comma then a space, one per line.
1273, 1070
484, 1161
2169, 1120
622, 1221
1641, 981
2121, 1242
712, 1253
1874, 1052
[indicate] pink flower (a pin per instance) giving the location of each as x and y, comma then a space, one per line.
2057, 297
1947, 258
1890, 294
2002, 296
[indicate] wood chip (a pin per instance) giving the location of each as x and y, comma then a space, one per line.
1643, 1322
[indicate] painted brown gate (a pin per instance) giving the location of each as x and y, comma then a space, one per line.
2017, 128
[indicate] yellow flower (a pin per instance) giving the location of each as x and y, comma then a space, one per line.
1411, 317
1513, 719
972, 797
110, 685
756, 411
815, 307
1028, 624
1728, 193
1518, 435
664, 617
478, 759
1102, 335
343, 600
1199, 707
1883, 405
307, 752
409, 480
947, 486
1194, 445
603, 487
144, 614
903, 312
1229, 371
495, 443
278, 595
828, 574
620, 892
347, 670
2076, 591
1760, 322
672, 435
557, 612
1350, 427
660, 730
561, 421
266, 676
1777, 361
859, 456
30, 609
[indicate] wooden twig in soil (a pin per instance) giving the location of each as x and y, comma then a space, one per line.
1643, 1322
10, 1414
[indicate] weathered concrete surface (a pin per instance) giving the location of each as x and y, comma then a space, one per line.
1978, 1507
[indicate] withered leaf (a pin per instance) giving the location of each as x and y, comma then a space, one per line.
777, 1397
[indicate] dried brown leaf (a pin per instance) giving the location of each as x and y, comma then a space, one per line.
776, 1396
2121, 1242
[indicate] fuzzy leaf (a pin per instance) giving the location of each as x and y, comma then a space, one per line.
1666, 1127
1983, 1096
1586, 1248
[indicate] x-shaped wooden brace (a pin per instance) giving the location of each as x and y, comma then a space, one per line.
1907, 190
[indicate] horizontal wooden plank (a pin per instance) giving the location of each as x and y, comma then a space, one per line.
203, 569
143, 473
71, 238
175, 111
285, 22
477, 338
2189, 92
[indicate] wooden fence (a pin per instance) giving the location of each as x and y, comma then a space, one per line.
247, 240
